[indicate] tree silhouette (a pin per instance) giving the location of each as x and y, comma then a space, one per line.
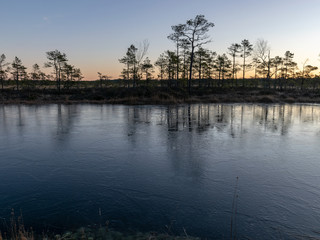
199, 60
233, 51
3, 71
133, 59
261, 55
185, 58
77, 74
126, 60
68, 74
246, 49
100, 78
209, 63
161, 64
18, 70
308, 69
223, 65
57, 60
306, 73
35, 74
171, 60
194, 32
288, 67
288, 63
276, 62
203, 63
147, 68
176, 37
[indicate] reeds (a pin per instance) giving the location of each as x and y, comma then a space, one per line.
15, 230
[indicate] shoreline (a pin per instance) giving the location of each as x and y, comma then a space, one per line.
151, 96
89, 233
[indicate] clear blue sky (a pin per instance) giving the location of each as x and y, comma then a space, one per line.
96, 33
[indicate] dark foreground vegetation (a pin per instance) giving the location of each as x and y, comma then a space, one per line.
164, 92
16, 230
89, 233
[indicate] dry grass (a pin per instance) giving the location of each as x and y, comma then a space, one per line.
16, 230
151, 95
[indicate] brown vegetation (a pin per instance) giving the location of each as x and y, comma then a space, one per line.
158, 95
16, 230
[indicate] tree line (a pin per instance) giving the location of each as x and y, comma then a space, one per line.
190, 64
191, 60
62, 71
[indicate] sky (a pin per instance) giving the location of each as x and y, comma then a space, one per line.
94, 34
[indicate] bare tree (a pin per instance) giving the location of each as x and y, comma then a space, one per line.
261, 54
142, 50
263, 62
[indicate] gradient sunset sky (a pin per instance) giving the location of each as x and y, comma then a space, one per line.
96, 33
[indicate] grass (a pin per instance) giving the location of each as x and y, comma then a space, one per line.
15, 230
157, 95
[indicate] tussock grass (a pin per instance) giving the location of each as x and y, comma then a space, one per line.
158, 95
15, 230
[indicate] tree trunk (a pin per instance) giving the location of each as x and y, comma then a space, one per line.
17, 81
200, 61
219, 84
59, 82
191, 64
244, 69
233, 69
177, 61
184, 66
268, 72
134, 75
